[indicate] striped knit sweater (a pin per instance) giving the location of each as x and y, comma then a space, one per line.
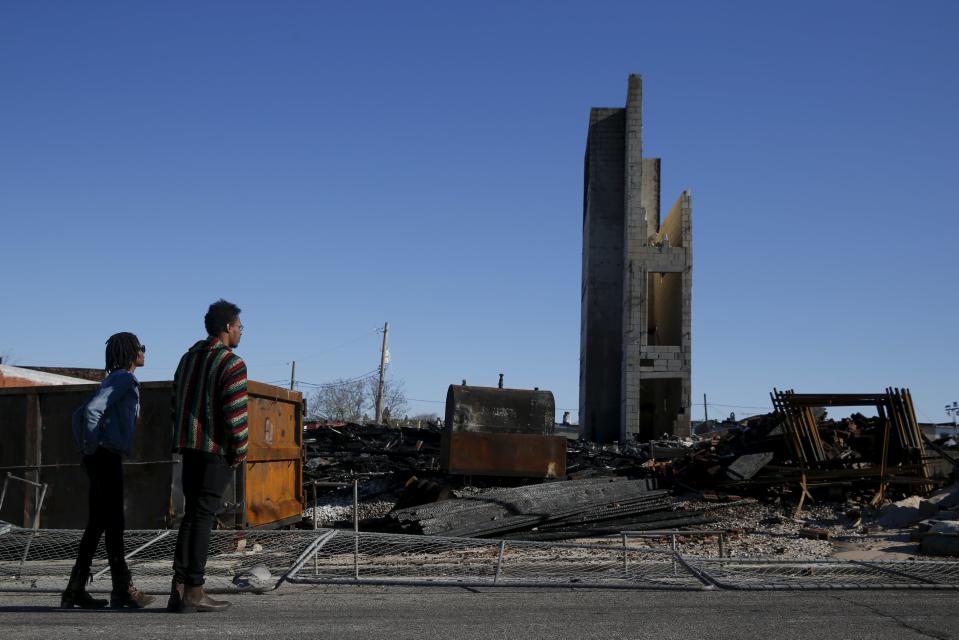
209, 401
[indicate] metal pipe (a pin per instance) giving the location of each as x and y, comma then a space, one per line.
149, 543
356, 510
480, 583
39, 485
3, 494
314, 547
679, 532
36, 524
705, 578
356, 529
68, 465
499, 560
674, 552
625, 556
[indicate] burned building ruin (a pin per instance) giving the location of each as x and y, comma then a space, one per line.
634, 372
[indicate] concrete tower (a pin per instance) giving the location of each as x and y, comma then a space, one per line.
634, 370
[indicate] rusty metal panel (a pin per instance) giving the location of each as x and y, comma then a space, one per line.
504, 454
494, 410
273, 493
273, 474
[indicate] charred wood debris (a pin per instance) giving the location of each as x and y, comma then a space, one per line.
669, 483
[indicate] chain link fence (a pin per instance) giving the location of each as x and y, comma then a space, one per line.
41, 561
348, 557
759, 574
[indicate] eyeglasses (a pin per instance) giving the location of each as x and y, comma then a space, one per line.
238, 326
143, 348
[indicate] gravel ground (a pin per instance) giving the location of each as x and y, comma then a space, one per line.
339, 511
766, 530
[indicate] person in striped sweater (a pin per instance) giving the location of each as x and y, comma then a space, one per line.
210, 432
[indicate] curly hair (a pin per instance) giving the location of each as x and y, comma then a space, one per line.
220, 314
122, 350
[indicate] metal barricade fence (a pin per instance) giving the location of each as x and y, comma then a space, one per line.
347, 557
41, 561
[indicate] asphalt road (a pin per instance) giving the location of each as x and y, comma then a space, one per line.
297, 611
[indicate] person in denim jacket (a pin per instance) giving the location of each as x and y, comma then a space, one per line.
103, 430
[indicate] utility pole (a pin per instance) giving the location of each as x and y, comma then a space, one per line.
953, 409
293, 376
379, 391
705, 410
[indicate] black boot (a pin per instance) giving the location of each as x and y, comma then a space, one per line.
175, 603
75, 594
124, 594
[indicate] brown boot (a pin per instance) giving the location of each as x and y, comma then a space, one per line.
75, 594
195, 599
130, 597
124, 594
175, 603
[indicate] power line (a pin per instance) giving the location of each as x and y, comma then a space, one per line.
734, 406
340, 383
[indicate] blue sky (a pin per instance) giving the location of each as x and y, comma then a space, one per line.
330, 167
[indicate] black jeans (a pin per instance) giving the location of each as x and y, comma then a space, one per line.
105, 470
205, 476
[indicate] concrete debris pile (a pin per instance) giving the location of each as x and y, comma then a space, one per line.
556, 510
936, 519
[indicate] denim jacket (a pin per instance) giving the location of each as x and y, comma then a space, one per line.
109, 418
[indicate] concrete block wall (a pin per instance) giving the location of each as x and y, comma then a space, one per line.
634, 242
616, 352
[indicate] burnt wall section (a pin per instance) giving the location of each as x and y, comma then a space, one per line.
635, 349
602, 289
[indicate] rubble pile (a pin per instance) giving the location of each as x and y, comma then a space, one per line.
344, 452
763, 456
858, 463
586, 459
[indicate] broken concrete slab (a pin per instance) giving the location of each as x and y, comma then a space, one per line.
950, 527
747, 466
946, 498
940, 545
905, 512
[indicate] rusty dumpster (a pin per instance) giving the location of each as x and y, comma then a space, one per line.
501, 432
37, 445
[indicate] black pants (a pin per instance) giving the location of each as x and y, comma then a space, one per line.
105, 470
205, 477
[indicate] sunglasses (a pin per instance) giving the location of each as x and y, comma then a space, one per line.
143, 348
